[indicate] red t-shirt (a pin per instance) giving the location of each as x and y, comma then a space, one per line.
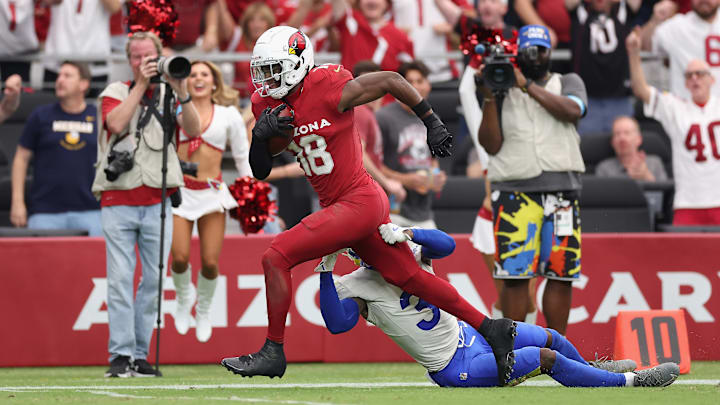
326, 142
283, 9
556, 16
243, 80
191, 21
369, 131
388, 46
142, 195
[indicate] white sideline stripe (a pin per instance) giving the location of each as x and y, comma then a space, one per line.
117, 395
231, 398
544, 383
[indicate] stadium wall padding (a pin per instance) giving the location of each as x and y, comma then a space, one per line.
52, 295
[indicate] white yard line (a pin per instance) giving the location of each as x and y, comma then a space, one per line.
179, 387
231, 398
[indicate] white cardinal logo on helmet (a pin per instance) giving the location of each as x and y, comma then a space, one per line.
281, 58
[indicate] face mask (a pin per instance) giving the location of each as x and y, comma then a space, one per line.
533, 63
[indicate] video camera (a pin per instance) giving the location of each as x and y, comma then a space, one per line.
498, 54
177, 67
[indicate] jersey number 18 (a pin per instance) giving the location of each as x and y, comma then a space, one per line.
312, 155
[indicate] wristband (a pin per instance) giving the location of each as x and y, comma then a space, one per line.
528, 82
187, 100
421, 108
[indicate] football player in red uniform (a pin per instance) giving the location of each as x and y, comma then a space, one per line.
328, 149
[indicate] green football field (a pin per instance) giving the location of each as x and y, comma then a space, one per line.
367, 383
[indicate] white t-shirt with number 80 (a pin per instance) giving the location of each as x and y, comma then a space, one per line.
683, 38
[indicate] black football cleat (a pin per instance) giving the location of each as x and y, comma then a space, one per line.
500, 335
269, 361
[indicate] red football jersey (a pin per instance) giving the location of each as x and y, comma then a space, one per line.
326, 143
388, 47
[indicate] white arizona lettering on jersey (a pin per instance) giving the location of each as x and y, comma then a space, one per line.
694, 132
685, 37
427, 334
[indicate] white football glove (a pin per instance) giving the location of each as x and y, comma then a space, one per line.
393, 234
327, 264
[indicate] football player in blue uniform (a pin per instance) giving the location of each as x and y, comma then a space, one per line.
454, 354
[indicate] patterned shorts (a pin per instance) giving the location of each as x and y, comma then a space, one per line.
526, 235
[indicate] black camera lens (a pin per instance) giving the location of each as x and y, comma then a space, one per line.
118, 163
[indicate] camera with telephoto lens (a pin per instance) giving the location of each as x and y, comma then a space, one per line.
177, 67
119, 162
499, 71
497, 53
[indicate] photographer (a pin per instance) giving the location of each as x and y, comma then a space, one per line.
529, 131
128, 180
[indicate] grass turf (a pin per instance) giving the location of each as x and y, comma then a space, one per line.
320, 384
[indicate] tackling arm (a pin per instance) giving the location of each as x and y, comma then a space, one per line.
339, 316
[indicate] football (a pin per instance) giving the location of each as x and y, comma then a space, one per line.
277, 144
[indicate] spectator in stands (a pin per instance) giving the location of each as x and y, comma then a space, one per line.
205, 197
283, 9
662, 10
371, 139
131, 200
490, 15
406, 155
17, 37
430, 34
599, 29
198, 25
629, 160
365, 33
685, 37
80, 28
314, 18
61, 138
690, 125
11, 97
535, 165
258, 18
549, 13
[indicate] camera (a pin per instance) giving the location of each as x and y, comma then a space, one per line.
189, 168
119, 162
177, 67
499, 72
497, 53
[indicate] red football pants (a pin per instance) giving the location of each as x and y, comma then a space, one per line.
353, 222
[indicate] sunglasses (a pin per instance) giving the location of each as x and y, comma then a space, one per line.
698, 73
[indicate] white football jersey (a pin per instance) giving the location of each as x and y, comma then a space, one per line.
427, 334
419, 17
17, 27
685, 37
79, 28
694, 132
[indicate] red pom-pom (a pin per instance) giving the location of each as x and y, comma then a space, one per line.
254, 206
156, 16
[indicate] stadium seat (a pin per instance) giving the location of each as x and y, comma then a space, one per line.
595, 148
28, 102
658, 144
10, 133
456, 207
614, 204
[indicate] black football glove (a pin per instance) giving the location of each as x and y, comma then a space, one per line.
270, 124
438, 138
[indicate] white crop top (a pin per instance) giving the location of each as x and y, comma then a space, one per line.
226, 125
